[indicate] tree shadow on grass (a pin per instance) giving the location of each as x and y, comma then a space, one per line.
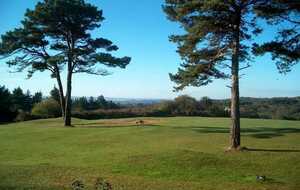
271, 150
20, 187
102, 125
256, 132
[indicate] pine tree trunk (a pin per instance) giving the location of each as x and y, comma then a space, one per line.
68, 97
235, 139
61, 94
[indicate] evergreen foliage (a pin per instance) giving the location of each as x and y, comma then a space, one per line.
285, 48
91, 103
216, 44
16, 105
57, 34
54, 94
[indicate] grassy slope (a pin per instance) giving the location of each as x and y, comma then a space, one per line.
168, 153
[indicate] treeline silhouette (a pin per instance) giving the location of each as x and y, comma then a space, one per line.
18, 105
14, 105
265, 108
91, 103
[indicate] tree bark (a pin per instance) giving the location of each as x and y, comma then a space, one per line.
68, 102
61, 92
235, 139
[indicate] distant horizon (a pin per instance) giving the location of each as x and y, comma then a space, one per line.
152, 98
145, 39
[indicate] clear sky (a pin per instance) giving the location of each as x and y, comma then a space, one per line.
141, 30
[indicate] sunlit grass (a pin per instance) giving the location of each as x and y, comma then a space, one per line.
165, 153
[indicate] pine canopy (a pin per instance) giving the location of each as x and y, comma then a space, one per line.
211, 28
57, 31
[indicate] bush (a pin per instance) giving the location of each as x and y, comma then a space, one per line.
47, 109
185, 105
24, 116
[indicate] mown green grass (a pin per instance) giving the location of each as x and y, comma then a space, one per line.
167, 153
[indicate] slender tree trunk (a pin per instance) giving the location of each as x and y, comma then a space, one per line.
235, 140
61, 94
68, 99
68, 96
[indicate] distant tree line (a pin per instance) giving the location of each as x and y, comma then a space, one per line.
271, 108
17, 105
91, 103
263, 108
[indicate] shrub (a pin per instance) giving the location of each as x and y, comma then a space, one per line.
185, 105
23, 116
47, 109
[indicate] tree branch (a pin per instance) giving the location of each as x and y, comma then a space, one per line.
247, 66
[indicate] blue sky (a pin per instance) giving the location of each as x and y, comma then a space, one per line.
141, 30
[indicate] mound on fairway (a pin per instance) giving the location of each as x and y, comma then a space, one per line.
164, 153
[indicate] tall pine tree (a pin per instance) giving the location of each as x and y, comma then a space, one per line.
29, 48
215, 45
57, 33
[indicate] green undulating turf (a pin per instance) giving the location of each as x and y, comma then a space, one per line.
167, 153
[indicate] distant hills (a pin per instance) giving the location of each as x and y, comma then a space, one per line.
149, 101
146, 101
134, 101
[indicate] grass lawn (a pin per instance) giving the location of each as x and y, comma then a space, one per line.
166, 153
